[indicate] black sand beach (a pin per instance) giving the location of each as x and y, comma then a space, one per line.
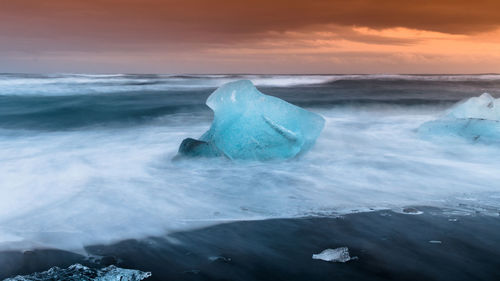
249, 140
435, 245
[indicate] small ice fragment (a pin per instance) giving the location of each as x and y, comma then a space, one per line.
452, 219
435, 242
333, 255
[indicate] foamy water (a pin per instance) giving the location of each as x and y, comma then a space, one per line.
112, 178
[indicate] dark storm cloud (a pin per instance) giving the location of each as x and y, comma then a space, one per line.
264, 36
152, 21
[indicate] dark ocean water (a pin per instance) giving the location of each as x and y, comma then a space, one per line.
59, 102
86, 159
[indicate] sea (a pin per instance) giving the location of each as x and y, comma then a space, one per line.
86, 160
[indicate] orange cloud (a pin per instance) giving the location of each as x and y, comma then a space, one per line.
250, 36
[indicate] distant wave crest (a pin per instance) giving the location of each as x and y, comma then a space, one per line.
74, 84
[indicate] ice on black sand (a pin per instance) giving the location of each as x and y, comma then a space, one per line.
78, 272
334, 255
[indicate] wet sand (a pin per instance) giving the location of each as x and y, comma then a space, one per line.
435, 245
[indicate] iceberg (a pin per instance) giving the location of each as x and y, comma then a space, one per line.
484, 107
251, 125
476, 119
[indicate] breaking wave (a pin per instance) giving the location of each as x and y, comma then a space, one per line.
78, 169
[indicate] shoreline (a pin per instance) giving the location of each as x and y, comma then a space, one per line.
434, 245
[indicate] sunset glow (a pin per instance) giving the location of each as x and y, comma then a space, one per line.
195, 36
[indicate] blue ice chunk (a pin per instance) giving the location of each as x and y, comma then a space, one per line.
483, 107
486, 131
78, 272
251, 125
476, 119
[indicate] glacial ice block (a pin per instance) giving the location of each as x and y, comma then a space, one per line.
476, 119
251, 125
78, 272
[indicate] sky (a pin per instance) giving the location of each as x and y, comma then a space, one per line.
258, 36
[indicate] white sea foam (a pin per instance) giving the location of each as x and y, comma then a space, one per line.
72, 188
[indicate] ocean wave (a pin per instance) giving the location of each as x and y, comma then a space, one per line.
95, 168
74, 84
67, 189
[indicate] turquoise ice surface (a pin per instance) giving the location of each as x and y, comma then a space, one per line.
251, 125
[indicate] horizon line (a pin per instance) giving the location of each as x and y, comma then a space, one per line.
243, 73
